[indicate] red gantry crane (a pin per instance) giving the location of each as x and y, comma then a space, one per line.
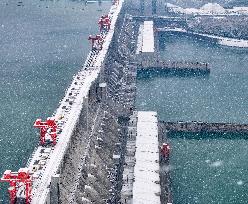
48, 127
165, 151
96, 42
104, 23
18, 181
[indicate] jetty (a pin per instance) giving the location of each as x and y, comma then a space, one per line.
173, 66
197, 126
149, 60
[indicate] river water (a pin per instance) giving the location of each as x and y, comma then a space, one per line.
43, 44
205, 168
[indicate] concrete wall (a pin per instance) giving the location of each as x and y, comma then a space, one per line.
92, 164
146, 7
120, 70
204, 127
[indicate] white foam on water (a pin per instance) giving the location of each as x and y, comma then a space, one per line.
216, 164
166, 168
240, 182
143, 104
207, 161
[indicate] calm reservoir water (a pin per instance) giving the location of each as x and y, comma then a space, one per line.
208, 168
43, 44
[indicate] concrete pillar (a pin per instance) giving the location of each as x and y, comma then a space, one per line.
160, 7
142, 7
147, 8
154, 7
82, 122
103, 90
91, 94
85, 113
54, 189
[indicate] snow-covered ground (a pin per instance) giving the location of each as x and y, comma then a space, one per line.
208, 9
231, 42
148, 37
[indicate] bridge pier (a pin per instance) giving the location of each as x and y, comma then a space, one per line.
103, 91
54, 189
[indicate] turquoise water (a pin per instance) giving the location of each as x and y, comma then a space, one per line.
208, 168
43, 44
220, 97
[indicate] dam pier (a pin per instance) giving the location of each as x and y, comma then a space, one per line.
183, 67
197, 126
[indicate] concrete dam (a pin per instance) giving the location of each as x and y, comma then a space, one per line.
82, 148
96, 148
